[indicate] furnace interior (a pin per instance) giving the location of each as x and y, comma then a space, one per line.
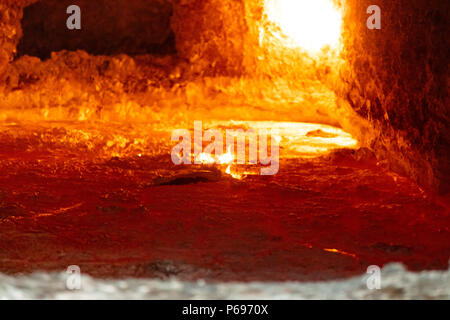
388, 87
86, 128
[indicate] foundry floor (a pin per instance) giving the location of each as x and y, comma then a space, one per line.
317, 219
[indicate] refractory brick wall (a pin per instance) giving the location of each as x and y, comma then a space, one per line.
398, 79
211, 34
10, 30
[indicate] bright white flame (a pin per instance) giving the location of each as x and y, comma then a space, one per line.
225, 158
233, 174
310, 24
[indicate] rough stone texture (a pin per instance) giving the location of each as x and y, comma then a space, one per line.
10, 31
398, 79
211, 34
108, 27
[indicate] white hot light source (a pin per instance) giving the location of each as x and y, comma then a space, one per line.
309, 24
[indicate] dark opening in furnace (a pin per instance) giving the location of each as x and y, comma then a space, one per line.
108, 28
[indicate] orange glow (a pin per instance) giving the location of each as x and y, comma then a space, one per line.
340, 252
309, 24
223, 159
297, 140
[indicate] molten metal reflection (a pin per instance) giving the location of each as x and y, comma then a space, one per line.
296, 140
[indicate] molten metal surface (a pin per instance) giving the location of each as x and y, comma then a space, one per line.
70, 196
